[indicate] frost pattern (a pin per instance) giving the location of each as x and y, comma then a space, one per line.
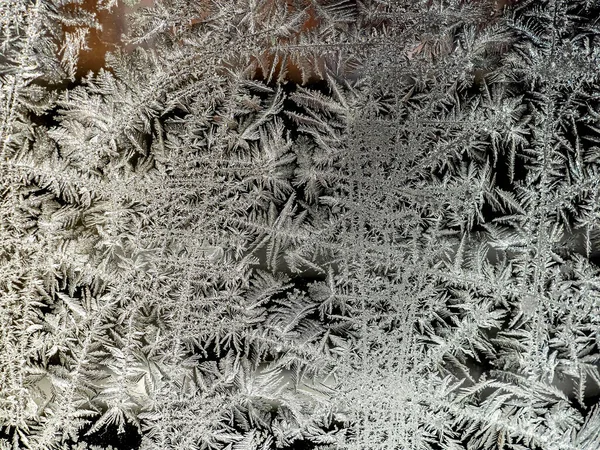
323, 224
